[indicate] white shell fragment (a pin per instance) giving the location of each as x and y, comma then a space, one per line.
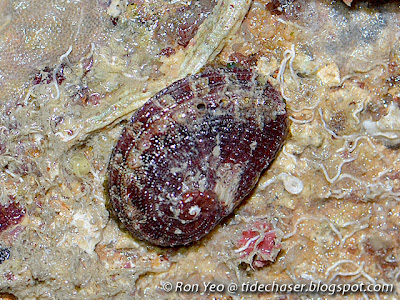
292, 184
387, 128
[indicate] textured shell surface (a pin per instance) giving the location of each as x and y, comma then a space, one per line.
192, 153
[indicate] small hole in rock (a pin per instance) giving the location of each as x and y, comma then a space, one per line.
201, 106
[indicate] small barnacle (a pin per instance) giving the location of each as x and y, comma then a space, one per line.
79, 164
173, 179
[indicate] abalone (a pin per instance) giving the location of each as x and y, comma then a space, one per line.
193, 152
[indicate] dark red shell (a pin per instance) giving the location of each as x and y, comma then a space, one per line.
192, 153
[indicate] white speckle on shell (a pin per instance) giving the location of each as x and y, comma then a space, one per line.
216, 151
194, 210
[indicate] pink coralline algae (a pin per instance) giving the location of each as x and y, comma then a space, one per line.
11, 214
261, 244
